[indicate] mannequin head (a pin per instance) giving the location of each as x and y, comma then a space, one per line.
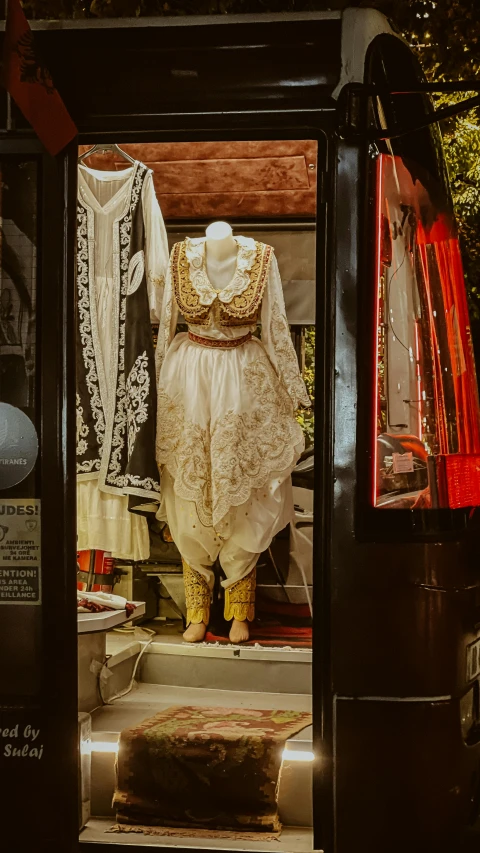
220, 244
218, 231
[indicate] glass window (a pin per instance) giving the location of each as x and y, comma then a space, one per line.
20, 582
427, 429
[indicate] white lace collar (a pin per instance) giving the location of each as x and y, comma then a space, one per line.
195, 252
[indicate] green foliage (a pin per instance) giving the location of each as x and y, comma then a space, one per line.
446, 36
462, 151
305, 417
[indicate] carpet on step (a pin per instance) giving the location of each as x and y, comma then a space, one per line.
275, 637
277, 624
214, 769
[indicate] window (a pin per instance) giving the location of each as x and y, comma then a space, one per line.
427, 429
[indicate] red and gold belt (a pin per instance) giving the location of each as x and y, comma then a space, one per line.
228, 343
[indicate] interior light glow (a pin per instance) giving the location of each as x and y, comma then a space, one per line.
297, 755
104, 746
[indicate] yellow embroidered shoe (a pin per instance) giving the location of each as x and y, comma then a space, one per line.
197, 596
240, 599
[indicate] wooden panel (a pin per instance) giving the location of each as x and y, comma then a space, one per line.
204, 180
169, 151
203, 176
237, 205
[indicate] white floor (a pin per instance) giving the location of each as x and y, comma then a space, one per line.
147, 699
296, 839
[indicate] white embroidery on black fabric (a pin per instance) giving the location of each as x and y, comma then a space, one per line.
138, 386
86, 337
136, 485
82, 429
117, 413
136, 271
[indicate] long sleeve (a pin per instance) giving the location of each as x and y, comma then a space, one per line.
277, 340
168, 322
156, 247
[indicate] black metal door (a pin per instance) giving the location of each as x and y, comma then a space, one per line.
38, 689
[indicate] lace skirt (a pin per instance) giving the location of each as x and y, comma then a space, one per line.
226, 432
105, 523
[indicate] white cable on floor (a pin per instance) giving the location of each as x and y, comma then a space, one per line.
132, 680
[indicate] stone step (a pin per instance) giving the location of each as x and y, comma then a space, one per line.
145, 700
170, 661
293, 839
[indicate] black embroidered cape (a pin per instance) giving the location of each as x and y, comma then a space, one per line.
116, 414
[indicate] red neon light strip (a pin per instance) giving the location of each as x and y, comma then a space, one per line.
418, 356
378, 274
442, 430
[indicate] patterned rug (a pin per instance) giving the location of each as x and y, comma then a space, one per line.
277, 624
276, 637
204, 768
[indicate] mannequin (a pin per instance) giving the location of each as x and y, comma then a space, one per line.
220, 260
221, 253
227, 437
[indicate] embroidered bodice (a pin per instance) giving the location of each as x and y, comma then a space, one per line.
254, 294
236, 304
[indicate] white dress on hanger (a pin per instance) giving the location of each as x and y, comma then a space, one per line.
227, 437
103, 519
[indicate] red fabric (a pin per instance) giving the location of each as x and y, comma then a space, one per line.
93, 607
279, 636
103, 566
459, 480
443, 270
31, 86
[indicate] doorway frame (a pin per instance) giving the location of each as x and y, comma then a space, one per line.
262, 126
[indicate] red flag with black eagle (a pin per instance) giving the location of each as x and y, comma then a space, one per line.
30, 84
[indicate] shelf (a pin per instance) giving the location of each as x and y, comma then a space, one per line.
91, 623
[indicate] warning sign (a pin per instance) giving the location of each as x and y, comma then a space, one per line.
20, 551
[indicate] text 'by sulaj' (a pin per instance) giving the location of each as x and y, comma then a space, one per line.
12, 742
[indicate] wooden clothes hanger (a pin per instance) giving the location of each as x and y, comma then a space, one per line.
104, 148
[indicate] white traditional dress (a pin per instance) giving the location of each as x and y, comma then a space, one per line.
227, 437
122, 258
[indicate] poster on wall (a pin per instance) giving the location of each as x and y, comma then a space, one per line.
18, 446
20, 551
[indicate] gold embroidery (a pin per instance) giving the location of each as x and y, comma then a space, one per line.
287, 363
197, 596
187, 297
216, 343
240, 599
242, 310
157, 280
244, 306
219, 465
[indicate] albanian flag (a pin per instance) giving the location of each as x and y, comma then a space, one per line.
31, 85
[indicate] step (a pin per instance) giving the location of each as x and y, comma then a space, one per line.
170, 661
296, 839
145, 700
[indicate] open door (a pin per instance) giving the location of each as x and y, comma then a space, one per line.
38, 714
